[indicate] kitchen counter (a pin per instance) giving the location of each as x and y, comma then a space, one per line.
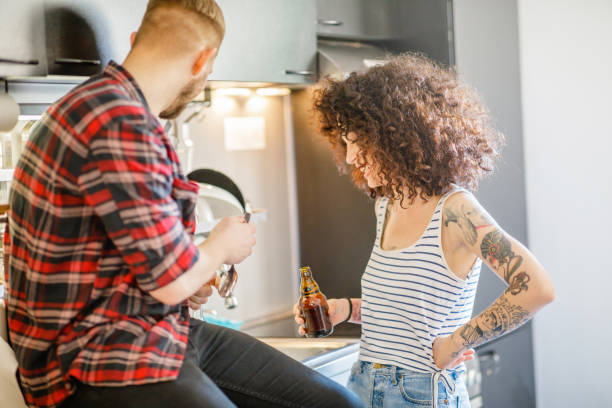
332, 356
286, 327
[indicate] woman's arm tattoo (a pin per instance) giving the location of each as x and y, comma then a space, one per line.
497, 251
469, 221
500, 318
495, 248
356, 313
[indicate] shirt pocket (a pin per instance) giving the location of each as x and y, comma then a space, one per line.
185, 194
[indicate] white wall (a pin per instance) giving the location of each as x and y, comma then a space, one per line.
266, 283
566, 73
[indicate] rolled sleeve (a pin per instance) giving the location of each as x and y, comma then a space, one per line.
128, 180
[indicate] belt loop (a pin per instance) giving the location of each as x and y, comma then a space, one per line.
394, 374
444, 376
434, 389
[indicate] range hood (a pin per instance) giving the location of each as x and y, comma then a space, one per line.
339, 58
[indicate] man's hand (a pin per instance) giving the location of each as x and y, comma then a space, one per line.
234, 237
200, 297
446, 354
230, 242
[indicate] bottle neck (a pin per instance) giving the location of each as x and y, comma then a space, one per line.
306, 272
308, 286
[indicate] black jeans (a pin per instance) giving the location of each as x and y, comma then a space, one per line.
225, 368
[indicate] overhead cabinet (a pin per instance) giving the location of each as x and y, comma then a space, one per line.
65, 37
268, 41
423, 25
265, 41
359, 19
22, 38
82, 36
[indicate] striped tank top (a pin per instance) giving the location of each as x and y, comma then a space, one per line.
410, 296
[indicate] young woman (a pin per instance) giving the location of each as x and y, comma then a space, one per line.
417, 139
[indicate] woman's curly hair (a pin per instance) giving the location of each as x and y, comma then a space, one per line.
423, 126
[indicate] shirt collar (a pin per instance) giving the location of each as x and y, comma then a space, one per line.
125, 79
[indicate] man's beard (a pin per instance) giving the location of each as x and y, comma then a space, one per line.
179, 104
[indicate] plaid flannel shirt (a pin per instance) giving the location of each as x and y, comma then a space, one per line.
100, 214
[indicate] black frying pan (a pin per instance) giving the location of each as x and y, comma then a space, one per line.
217, 179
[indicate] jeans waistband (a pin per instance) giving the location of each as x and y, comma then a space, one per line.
387, 368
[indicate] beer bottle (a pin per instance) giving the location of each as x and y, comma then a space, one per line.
313, 306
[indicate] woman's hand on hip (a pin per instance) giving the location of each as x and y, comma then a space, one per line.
446, 354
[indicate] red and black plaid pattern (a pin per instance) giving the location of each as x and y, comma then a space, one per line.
99, 217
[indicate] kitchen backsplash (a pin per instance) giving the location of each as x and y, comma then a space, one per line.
262, 169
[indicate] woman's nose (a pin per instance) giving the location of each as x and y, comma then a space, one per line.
350, 155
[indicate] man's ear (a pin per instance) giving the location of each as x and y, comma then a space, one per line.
132, 38
203, 57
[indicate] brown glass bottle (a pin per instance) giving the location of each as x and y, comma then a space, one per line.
313, 306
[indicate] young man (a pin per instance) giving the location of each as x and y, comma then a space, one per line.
102, 267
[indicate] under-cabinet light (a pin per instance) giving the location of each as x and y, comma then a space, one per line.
273, 91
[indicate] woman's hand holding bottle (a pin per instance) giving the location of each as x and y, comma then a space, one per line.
338, 310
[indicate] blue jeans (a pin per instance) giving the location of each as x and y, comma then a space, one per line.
386, 386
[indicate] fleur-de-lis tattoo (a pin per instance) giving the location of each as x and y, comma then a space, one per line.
519, 283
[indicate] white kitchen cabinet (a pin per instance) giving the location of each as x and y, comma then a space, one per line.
268, 41
22, 38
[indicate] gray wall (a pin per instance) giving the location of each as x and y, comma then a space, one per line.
566, 66
487, 56
337, 221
